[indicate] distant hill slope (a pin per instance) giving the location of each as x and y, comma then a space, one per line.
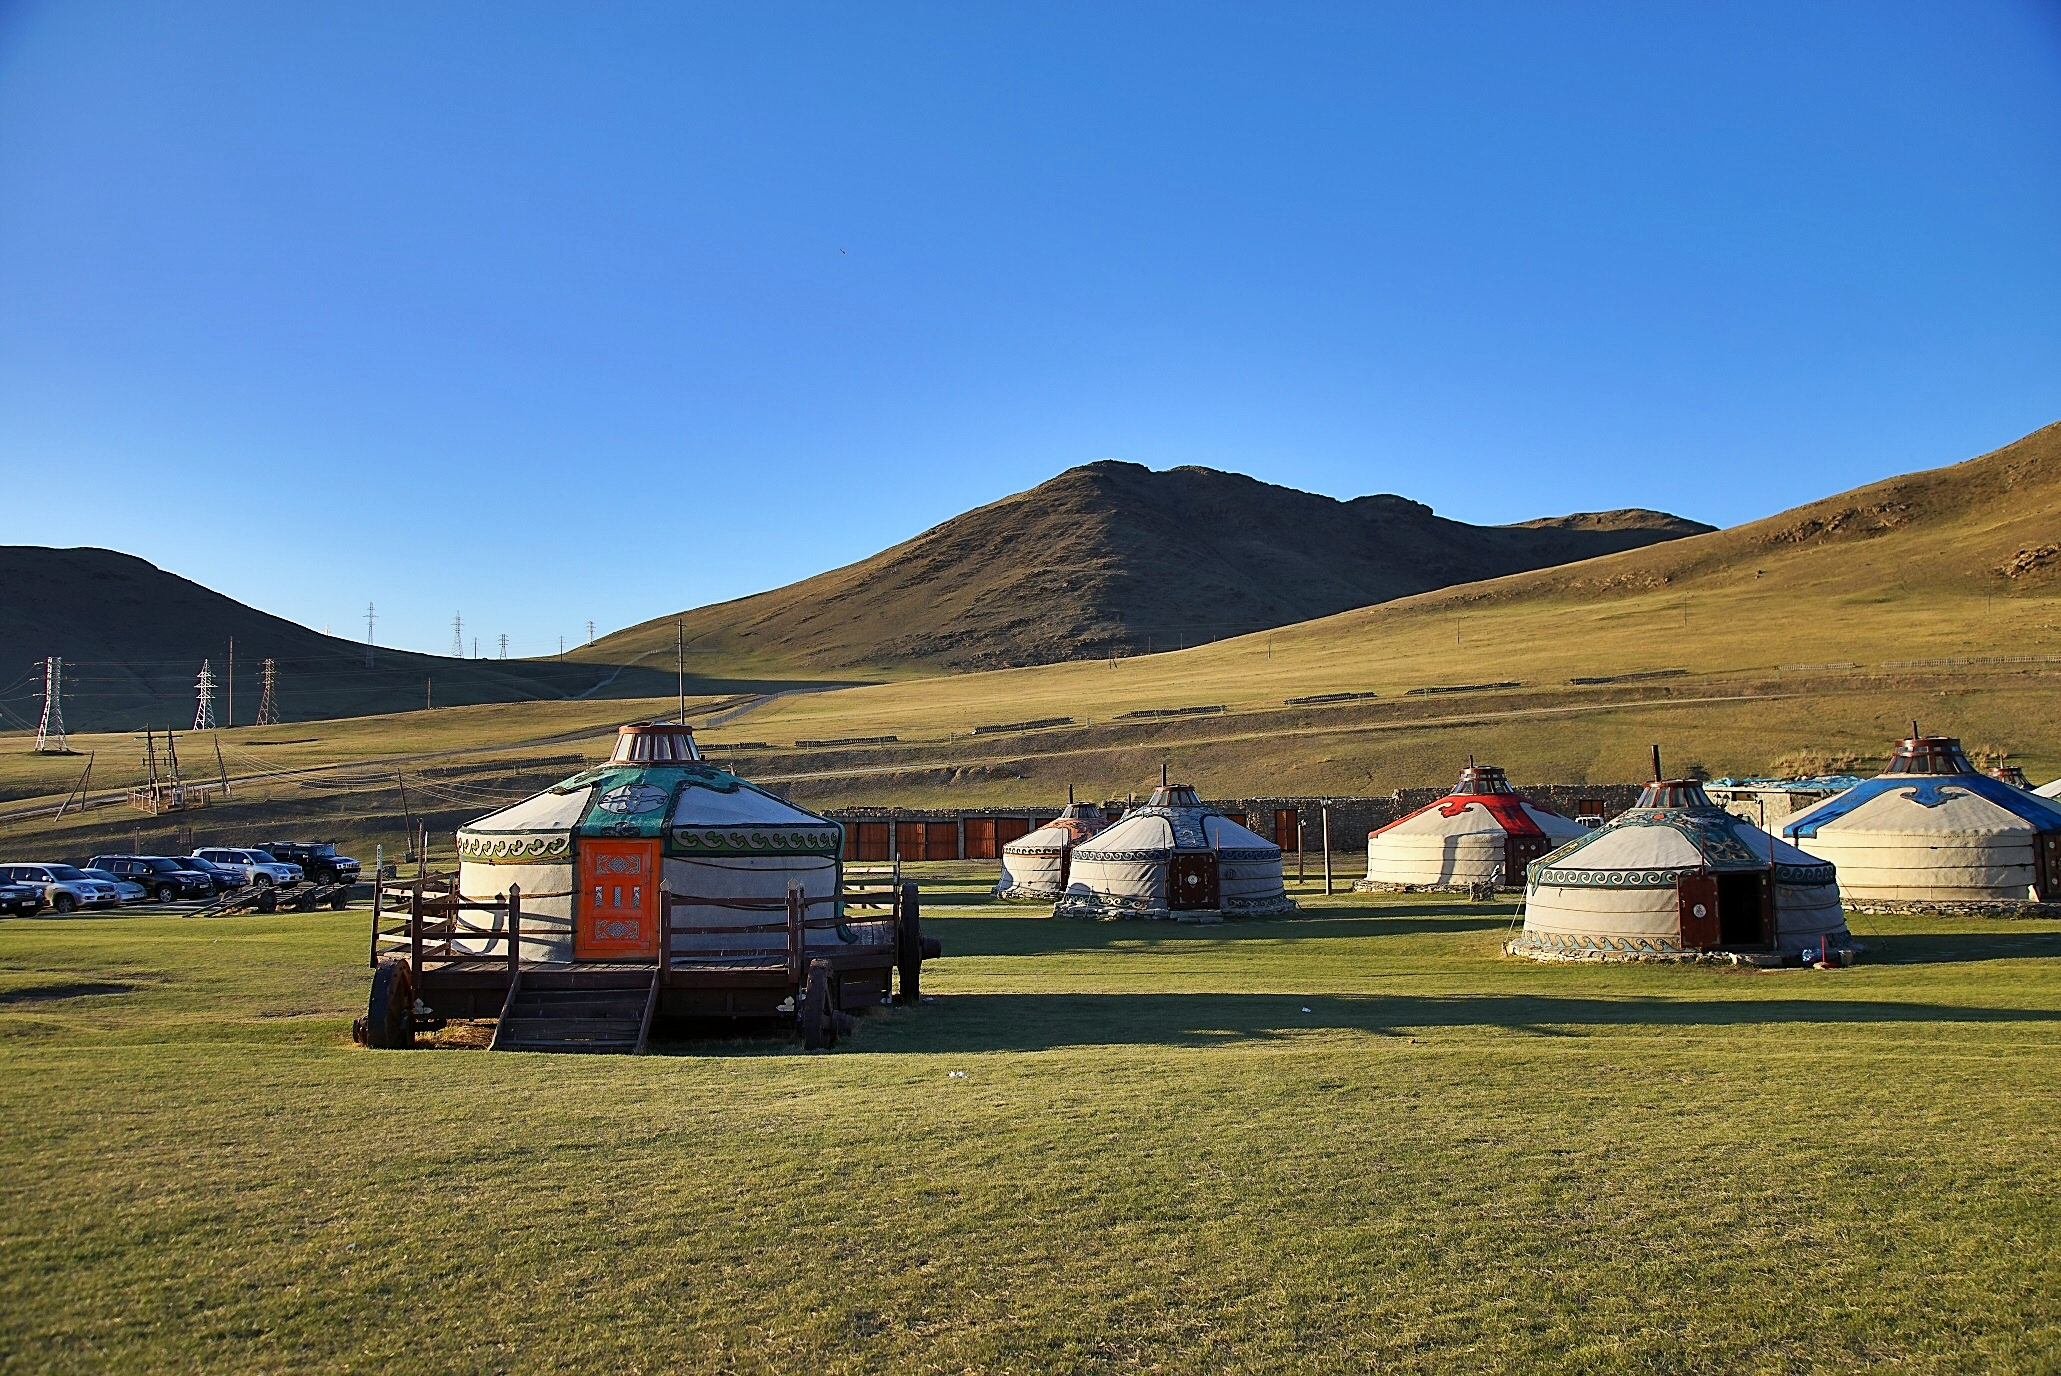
1115, 556
133, 637
1949, 579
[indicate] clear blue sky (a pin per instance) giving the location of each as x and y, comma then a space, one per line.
556, 312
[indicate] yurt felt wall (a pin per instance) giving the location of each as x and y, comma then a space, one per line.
1618, 892
1931, 830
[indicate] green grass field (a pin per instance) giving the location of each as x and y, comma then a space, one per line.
1358, 1139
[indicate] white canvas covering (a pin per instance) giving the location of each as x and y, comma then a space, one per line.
1614, 892
1944, 835
2049, 790
1124, 872
1463, 838
1035, 866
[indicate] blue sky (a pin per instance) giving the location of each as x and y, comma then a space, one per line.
550, 313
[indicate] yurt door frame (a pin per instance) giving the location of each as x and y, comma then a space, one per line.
2046, 866
1519, 852
1191, 881
616, 917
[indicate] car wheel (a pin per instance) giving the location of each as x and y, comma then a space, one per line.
264, 881
65, 903
164, 893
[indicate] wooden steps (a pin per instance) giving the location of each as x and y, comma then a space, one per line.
582, 1009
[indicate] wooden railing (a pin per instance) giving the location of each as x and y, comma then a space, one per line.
424, 919
433, 916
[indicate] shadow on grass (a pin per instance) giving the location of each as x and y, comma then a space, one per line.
971, 1023
1037, 935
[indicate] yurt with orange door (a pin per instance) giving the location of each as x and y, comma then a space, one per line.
1483, 832
1175, 857
1035, 866
595, 848
1679, 878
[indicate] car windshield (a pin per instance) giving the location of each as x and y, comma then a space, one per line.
323, 849
62, 872
99, 874
194, 862
160, 865
261, 857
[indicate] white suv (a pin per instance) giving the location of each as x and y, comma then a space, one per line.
65, 887
255, 866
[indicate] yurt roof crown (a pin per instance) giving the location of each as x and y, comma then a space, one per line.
1175, 795
1674, 793
1928, 755
2011, 774
1482, 778
654, 742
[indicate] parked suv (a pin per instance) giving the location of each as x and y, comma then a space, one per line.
318, 858
23, 900
224, 877
64, 888
256, 866
165, 877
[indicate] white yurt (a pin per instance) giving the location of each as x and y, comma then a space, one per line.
1175, 858
594, 849
1036, 865
1483, 832
2049, 790
1674, 876
1930, 831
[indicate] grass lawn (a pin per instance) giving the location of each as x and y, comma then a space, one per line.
1358, 1139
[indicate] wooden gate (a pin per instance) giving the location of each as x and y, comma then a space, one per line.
1191, 882
1696, 895
618, 901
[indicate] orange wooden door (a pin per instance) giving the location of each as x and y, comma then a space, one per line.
618, 911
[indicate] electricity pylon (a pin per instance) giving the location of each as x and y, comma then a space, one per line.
268, 701
204, 713
50, 731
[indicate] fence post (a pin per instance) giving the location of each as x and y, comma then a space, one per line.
1327, 845
794, 933
514, 931
665, 929
415, 936
378, 893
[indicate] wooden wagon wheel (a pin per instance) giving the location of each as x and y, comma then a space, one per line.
909, 945
390, 1012
818, 1020
268, 902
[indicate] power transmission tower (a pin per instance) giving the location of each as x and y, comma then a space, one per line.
368, 634
590, 633
204, 714
50, 732
457, 636
268, 702
504, 644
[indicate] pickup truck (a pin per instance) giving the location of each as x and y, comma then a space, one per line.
320, 860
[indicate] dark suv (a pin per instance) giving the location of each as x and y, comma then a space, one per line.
225, 879
319, 860
161, 876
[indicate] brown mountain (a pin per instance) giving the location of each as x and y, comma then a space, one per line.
1116, 557
133, 637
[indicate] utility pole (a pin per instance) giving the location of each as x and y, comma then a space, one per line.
204, 713
368, 634
680, 665
1327, 845
268, 699
561, 649
457, 636
50, 732
221, 770
475, 647
428, 686
231, 684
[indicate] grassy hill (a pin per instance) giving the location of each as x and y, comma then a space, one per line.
1113, 556
133, 637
